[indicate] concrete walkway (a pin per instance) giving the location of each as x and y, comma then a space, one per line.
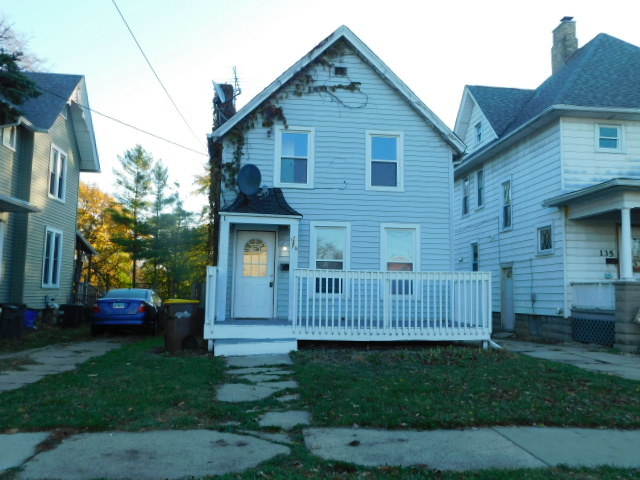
176, 454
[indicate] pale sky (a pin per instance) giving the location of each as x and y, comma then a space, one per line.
434, 47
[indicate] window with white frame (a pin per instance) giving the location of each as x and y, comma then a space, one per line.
478, 130
294, 157
545, 239
57, 174
330, 251
384, 167
52, 258
465, 195
506, 205
609, 137
480, 188
475, 257
9, 135
400, 253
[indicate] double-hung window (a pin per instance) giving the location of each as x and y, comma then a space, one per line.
465, 195
57, 174
384, 157
480, 188
609, 138
330, 251
400, 253
506, 205
478, 132
475, 257
52, 258
294, 157
9, 137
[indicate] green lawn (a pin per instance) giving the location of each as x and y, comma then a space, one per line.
457, 387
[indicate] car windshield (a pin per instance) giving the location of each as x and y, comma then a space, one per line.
127, 293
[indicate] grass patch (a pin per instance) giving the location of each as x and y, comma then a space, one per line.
44, 336
132, 388
458, 387
14, 363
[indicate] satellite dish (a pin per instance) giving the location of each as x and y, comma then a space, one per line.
249, 178
221, 96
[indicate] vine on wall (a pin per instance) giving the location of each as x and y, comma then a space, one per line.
269, 112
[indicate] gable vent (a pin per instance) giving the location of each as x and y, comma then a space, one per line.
340, 71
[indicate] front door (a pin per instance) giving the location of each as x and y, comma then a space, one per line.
507, 313
254, 275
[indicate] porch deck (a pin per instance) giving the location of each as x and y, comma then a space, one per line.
369, 306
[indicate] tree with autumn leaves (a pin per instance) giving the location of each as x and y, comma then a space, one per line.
143, 235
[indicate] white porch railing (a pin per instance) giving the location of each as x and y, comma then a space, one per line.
594, 295
364, 305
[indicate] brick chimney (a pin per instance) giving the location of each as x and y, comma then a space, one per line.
565, 43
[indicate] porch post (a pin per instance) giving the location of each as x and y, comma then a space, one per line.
223, 265
293, 264
626, 268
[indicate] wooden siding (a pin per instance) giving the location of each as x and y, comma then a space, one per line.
533, 167
339, 185
488, 134
584, 165
54, 214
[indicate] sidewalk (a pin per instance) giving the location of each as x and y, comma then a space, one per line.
176, 454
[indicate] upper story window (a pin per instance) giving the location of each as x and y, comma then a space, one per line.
478, 132
294, 158
384, 167
57, 174
609, 137
465, 195
480, 188
52, 258
9, 135
545, 239
506, 205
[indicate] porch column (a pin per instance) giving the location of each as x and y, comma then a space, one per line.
626, 267
223, 262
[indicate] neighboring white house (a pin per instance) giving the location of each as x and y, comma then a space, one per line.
355, 206
547, 196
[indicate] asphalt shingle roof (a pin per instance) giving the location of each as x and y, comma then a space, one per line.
273, 203
56, 90
604, 73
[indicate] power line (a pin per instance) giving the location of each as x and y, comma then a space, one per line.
125, 123
156, 75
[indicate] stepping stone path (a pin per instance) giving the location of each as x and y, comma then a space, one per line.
266, 377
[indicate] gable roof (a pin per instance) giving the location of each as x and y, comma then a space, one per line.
369, 57
598, 79
40, 113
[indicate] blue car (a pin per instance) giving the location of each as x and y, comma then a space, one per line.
137, 308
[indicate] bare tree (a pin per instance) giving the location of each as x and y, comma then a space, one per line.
13, 42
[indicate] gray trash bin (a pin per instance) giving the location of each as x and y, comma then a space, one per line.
12, 320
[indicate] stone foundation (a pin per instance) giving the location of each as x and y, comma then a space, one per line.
543, 328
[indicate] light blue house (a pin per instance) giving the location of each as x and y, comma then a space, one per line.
350, 235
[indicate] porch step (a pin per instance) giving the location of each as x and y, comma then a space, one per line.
242, 346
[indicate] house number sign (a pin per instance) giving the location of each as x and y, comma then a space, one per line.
609, 253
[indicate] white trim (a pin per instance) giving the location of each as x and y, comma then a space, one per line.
548, 251
369, 134
620, 138
313, 239
277, 161
400, 226
372, 59
11, 142
59, 171
54, 232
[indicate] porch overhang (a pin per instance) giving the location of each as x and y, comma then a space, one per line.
13, 204
601, 199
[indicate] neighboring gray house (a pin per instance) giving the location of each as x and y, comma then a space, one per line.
41, 157
547, 196
349, 235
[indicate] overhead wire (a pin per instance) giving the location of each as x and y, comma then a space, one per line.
157, 76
